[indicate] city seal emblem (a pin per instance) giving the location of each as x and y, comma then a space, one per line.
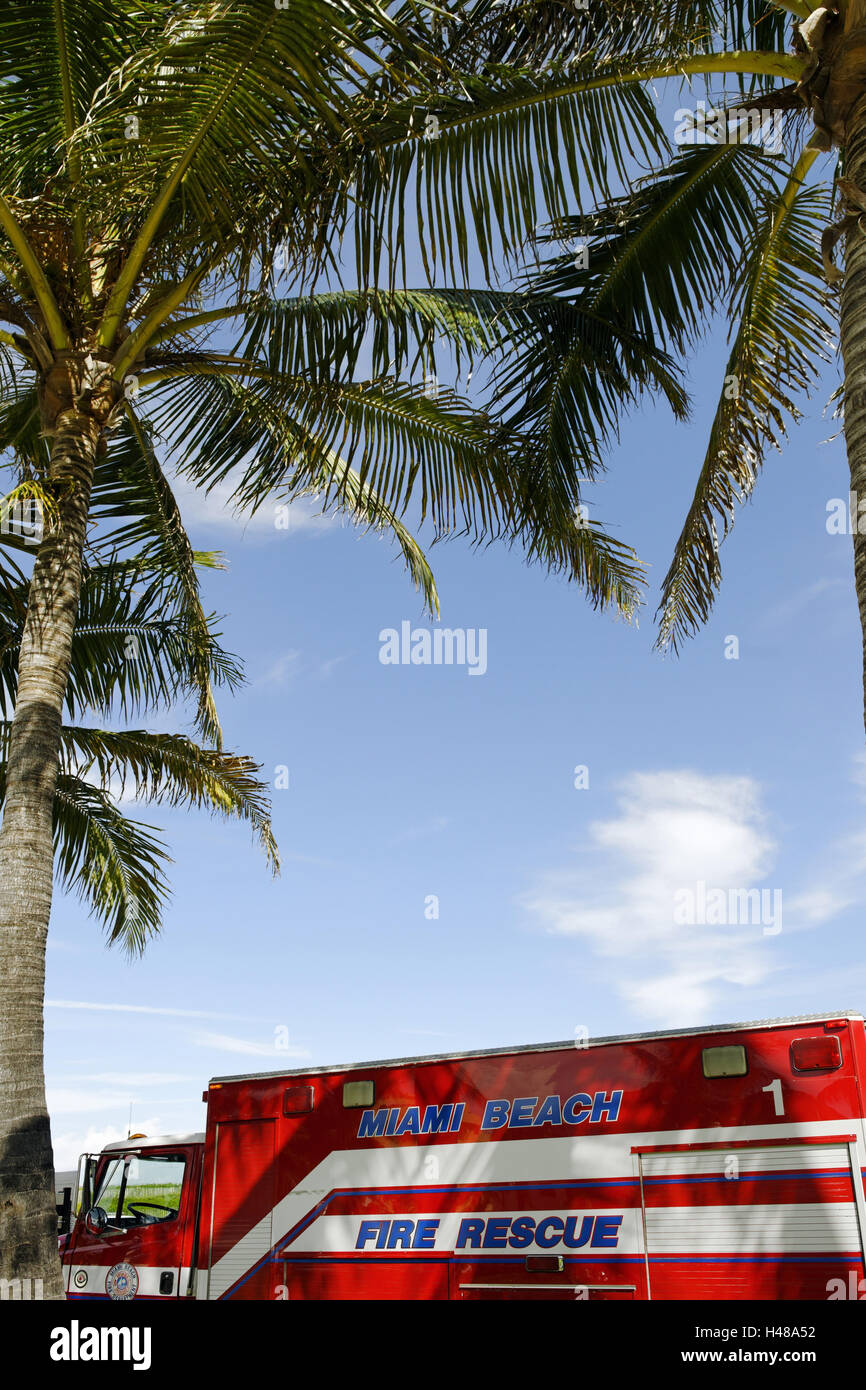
121, 1282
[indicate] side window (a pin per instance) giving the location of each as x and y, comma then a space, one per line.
154, 1185
141, 1189
108, 1187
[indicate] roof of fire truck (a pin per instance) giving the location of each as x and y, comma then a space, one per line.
582, 1044
144, 1141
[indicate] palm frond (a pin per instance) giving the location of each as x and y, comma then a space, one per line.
532, 32
503, 152
274, 435
367, 510
230, 96
330, 335
21, 434
467, 475
128, 654
134, 501
53, 56
660, 258
781, 340
174, 771
114, 864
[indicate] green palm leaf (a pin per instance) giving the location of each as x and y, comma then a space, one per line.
660, 257
130, 488
128, 654
526, 32
173, 770
114, 864
468, 475
783, 327
505, 151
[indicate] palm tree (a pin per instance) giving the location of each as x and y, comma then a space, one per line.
181, 185
141, 641
736, 218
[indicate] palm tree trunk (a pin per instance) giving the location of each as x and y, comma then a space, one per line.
28, 1221
853, 344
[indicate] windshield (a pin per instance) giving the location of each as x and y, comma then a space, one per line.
150, 1183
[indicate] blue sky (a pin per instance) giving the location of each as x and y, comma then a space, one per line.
412, 782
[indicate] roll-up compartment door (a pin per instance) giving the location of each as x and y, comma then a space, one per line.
244, 1195
751, 1221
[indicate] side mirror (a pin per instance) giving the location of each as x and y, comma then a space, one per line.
96, 1221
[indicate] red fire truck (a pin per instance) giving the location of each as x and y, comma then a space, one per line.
713, 1163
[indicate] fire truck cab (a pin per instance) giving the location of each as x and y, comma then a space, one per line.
136, 1228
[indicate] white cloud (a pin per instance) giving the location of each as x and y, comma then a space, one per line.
839, 883
672, 831
70, 1144
691, 992
215, 510
290, 666
122, 794
223, 1042
793, 607
141, 1009
817, 905
114, 1091
327, 668
858, 768
70, 1100
136, 1078
280, 674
